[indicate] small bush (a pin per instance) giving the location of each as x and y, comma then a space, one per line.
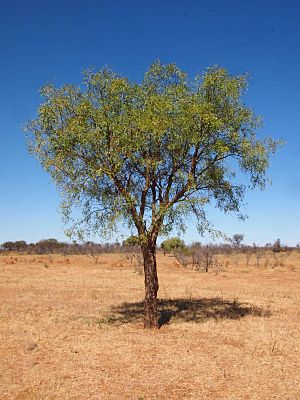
182, 255
170, 245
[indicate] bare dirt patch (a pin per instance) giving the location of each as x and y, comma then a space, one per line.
72, 329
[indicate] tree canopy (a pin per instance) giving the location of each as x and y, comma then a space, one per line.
149, 153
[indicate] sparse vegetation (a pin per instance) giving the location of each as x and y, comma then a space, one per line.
79, 326
182, 255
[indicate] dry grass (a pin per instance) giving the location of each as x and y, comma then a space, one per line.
72, 329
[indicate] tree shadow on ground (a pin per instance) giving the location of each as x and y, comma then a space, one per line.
185, 310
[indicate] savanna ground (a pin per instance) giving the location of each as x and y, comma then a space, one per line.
72, 329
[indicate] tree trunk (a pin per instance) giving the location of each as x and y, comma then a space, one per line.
151, 285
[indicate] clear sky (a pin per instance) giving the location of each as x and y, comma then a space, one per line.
54, 41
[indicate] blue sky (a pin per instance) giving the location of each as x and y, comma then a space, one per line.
54, 41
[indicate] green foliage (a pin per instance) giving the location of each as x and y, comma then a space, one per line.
150, 153
169, 245
131, 241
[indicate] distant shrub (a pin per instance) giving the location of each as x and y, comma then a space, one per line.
131, 241
276, 248
172, 244
183, 256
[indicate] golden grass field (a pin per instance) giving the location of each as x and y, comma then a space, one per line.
72, 329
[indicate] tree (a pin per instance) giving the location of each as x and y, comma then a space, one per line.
45, 246
277, 246
19, 246
149, 154
169, 245
9, 246
237, 239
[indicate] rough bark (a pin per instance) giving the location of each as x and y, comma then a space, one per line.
151, 286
